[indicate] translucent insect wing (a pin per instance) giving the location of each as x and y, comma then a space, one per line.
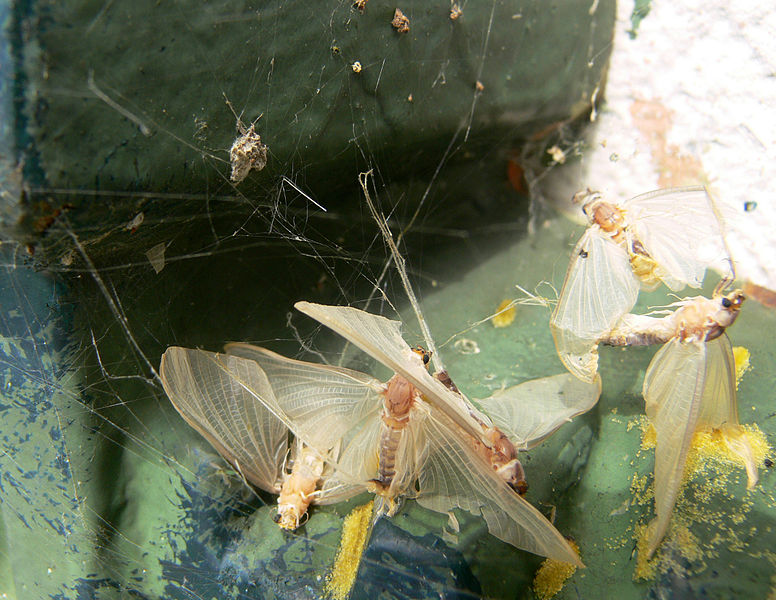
681, 230
531, 411
337, 411
323, 404
674, 386
454, 476
412, 451
224, 398
599, 288
381, 338
719, 405
356, 464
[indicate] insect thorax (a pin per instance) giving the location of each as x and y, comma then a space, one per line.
299, 488
606, 215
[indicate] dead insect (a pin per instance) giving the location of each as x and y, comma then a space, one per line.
690, 385
670, 235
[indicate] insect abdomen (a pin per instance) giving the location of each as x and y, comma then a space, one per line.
398, 400
389, 445
299, 488
646, 269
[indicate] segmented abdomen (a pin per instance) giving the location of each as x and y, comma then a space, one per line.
390, 439
398, 400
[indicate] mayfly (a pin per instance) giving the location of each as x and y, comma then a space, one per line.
387, 438
382, 339
517, 412
387, 345
690, 385
670, 235
422, 431
230, 402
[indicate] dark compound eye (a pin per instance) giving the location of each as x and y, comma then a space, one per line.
583, 253
726, 303
276, 517
426, 356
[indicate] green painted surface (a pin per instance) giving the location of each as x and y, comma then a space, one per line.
155, 515
106, 492
129, 98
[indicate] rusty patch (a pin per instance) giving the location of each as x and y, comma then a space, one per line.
763, 295
654, 122
516, 176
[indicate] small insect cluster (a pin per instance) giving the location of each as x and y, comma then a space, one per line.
320, 434
415, 435
671, 237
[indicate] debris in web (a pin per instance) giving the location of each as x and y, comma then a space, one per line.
557, 154
400, 22
247, 153
155, 256
135, 223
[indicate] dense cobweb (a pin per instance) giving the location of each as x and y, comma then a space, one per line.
135, 501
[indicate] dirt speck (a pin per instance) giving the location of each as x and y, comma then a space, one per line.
400, 21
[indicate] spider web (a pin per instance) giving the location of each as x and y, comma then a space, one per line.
144, 243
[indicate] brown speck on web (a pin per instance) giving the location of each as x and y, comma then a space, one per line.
400, 21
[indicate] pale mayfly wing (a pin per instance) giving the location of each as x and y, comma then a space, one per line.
327, 407
381, 339
230, 402
533, 410
670, 235
690, 385
433, 450
686, 383
206, 389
